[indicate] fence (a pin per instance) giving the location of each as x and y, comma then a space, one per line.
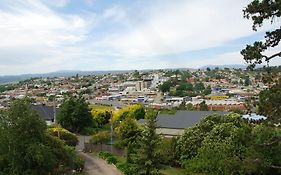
89, 147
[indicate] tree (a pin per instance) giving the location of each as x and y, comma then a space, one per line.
189, 107
203, 106
270, 103
247, 81
134, 111
27, 149
74, 114
260, 11
128, 132
100, 117
224, 144
207, 91
199, 87
147, 155
165, 87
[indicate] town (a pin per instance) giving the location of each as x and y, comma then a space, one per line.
220, 89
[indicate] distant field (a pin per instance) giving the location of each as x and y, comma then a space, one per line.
94, 106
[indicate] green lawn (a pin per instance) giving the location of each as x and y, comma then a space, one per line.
94, 106
172, 171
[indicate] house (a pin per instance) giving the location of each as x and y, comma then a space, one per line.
47, 113
170, 125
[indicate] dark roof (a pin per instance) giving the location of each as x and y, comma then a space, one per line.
182, 119
45, 112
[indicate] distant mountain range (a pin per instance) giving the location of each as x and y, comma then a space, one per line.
65, 73
68, 73
231, 66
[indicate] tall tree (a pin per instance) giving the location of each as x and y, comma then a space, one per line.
74, 114
147, 157
260, 11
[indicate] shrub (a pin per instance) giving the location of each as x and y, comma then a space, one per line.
111, 160
69, 138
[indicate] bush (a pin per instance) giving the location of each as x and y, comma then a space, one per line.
69, 138
110, 159
127, 168
104, 154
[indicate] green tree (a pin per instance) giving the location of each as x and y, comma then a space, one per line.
100, 117
27, 149
199, 87
128, 132
147, 155
203, 106
189, 107
74, 114
260, 11
207, 91
165, 87
270, 103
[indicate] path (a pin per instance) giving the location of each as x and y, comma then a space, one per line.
93, 164
97, 166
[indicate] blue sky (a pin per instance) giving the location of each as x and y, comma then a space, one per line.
49, 35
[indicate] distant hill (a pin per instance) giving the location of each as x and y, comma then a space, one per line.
231, 66
68, 73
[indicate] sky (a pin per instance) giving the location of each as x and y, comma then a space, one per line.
39, 36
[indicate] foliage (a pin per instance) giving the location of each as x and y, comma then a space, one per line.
63, 134
203, 106
207, 91
199, 87
168, 154
100, 117
134, 111
27, 149
165, 87
227, 145
146, 159
189, 107
100, 137
127, 131
270, 103
74, 114
260, 11
8, 87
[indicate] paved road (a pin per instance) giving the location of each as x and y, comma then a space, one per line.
97, 166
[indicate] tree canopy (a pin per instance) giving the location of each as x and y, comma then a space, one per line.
74, 114
260, 11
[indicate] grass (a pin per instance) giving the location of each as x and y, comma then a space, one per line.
103, 107
171, 171
166, 111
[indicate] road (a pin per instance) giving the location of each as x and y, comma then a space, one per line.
97, 166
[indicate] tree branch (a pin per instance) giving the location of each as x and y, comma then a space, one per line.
267, 58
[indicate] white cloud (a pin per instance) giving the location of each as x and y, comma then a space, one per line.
181, 26
37, 38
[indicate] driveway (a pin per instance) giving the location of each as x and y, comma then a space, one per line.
93, 164
97, 166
